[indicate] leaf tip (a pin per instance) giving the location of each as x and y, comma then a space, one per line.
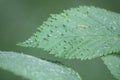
20, 44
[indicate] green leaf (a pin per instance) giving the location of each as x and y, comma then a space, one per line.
83, 32
34, 68
113, 64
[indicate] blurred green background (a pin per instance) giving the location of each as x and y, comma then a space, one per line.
19, 20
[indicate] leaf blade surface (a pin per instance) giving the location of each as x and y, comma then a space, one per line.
35, 69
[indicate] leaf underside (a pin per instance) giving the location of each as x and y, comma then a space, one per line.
113, 64
83, 32
35, 69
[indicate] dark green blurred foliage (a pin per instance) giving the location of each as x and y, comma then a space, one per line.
20, 18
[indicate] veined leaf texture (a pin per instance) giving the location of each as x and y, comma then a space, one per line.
113, 63
33, 68
83, 32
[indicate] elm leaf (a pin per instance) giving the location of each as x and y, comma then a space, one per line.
85, 32
34, 68
113, 63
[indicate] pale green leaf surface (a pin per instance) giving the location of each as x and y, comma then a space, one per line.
113, 64
83, 32
35, 69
